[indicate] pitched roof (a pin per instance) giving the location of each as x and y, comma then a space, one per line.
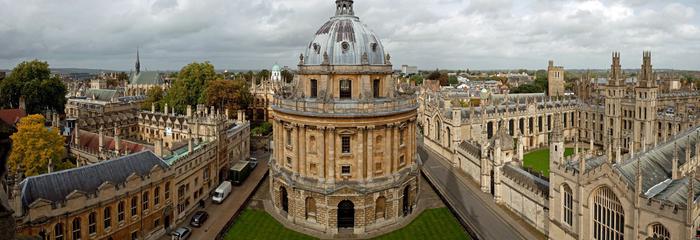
146, 77
56, 186
12, 116
91, 141
101, 94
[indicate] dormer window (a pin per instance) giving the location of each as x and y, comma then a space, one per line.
345, 46
374, 47
317, 48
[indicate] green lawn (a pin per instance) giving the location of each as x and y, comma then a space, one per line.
436, 223
257, 224
539, 159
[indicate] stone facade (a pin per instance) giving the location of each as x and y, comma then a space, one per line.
632, 174
555, 80
345, 152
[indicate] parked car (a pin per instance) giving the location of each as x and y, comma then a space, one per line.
253, 162
199, 218
221, 192
181, 233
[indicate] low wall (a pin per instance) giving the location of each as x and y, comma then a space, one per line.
527, 196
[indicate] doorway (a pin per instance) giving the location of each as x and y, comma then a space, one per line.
284, 200
346, 214
406, 200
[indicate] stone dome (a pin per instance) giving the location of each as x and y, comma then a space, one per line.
345, 40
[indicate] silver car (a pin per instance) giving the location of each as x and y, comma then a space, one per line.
181, 233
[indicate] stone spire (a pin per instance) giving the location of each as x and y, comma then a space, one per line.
138, 62
646, 76
344, 8
616, 78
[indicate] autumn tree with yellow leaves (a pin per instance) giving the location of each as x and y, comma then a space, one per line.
35, 147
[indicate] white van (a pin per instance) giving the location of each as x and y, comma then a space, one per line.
221, 192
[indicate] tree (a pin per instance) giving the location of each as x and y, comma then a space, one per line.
444, 79
154, 95
189, 86
435, 75
452, 80
263, 74
417, 78
35, 147
33, 81
120, 79
228, 94
287, 76
262, 130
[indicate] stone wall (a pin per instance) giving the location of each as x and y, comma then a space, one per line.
521, 194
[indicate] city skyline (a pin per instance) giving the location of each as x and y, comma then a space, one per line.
430, 34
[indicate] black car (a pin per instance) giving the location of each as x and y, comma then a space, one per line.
199, 218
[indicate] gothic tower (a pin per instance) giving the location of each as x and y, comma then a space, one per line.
614, 92
137, 66
555, 79
645, 103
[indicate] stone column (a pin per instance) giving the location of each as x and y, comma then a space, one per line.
301, 152
395, 147
322, 154
360, 159
331, 156
370, 153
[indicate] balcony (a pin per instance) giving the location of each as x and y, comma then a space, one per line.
346, 108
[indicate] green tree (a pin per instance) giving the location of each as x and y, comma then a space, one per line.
435, 75
154, 95
189, 86
287, 76
417, 78
228, 94
35, 147
452, 80
263, 74
262, 129
33, 81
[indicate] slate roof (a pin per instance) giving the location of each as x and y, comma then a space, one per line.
146, 78
56, 186
101, 94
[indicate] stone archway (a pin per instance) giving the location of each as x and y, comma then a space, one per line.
346, 214
406, 200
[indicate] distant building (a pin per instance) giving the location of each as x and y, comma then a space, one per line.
409, 70
141, 81
555, 77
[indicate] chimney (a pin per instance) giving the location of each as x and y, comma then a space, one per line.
77, 133
166, 109
153, 107
211, 111
189, 111
22, 103
158, 147
117, 141
190, 143
101, 139
226, 113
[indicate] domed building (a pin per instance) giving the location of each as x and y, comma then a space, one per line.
344, 135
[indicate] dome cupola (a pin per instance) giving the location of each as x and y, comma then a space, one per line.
344, 40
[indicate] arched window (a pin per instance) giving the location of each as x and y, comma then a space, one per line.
608, 216
437, 129
107, 216
567, 205
380, 208
659, 232
310, 209
92, 223
449, 138
58, 231
76, 229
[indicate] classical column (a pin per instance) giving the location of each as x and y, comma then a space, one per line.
321, 154
395, 147
386, 166
301, 152
370, 152
360, 157
331, 156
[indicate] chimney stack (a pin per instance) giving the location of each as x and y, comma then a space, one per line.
166, 109
153, 107
101, 139
189, 111
158, 147
117, 141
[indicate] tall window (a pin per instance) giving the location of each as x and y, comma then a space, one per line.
145, 201
380, 207
58, 231
345, 144
345, 89
608, 216
120, 211
107, 215
289, 137
310, 209
92, 223
314, 88
375, 87
134, 205
156, 196
568, 206
660, 232
76, 229
401, 135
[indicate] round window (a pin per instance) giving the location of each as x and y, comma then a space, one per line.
345, 46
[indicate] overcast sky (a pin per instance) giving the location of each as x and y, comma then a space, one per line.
254, 34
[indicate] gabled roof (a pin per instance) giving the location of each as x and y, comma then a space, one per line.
55, 187
106, 95
90, 141
146, 78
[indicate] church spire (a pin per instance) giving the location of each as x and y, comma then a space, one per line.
138, 62
344, 8
646, 76
616, 70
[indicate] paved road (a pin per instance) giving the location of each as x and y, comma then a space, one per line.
220, 214
481, 213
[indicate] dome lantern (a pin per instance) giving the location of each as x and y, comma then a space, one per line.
344, 7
